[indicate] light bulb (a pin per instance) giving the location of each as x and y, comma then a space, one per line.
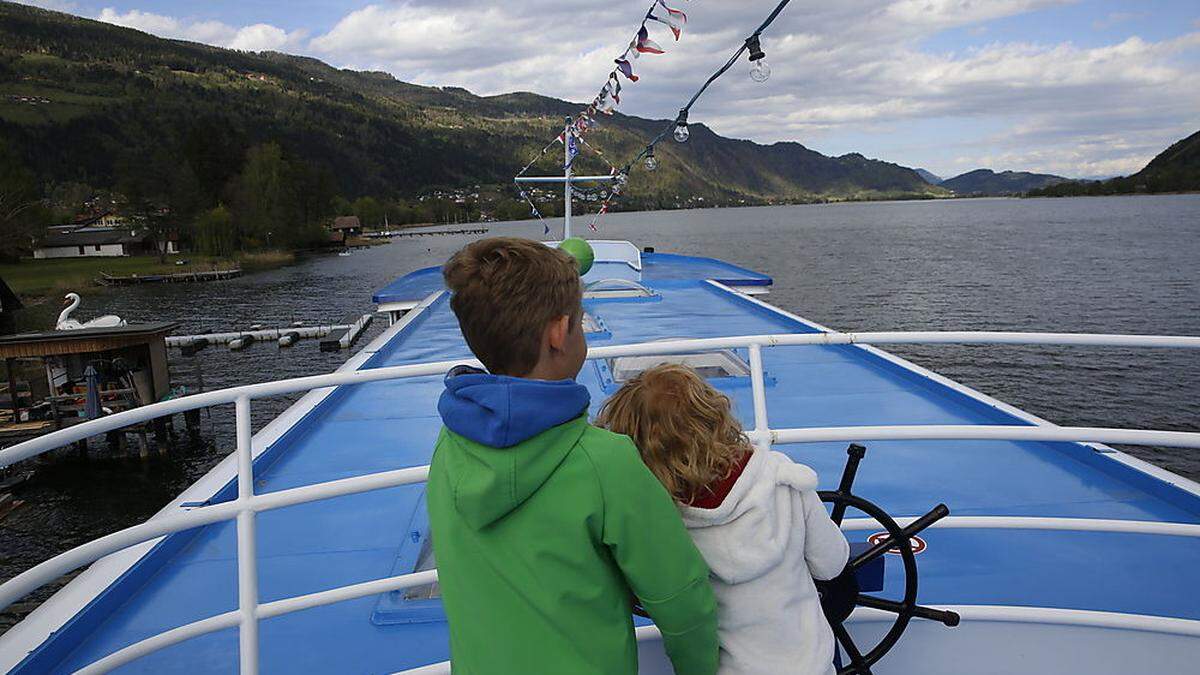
682, 133
651, 163
760, 71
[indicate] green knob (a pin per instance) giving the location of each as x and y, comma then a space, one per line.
581, 251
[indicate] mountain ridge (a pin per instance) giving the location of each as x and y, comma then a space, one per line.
113, 93
929, 176
986, 182
1176, 169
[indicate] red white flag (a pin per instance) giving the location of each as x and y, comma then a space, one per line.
676, 28
645, 45
626, 69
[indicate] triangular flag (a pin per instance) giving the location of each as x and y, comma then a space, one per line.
626, 69
645, 45
676, 27
674, 13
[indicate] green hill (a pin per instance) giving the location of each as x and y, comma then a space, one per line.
1176, 169
985, 182
81, 101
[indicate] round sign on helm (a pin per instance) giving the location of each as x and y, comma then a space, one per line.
581, 251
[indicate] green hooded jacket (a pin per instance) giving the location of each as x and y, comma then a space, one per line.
539, 545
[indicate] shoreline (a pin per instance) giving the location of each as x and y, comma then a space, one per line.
38, 281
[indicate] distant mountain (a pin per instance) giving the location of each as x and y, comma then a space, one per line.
79, 99
985, 182
1176, 169
929, 176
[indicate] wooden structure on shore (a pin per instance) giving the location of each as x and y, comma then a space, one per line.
119, 368
181, 277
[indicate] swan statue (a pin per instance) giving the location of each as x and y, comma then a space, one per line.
65, 322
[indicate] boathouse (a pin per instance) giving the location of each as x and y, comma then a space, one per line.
349, 226
52, 373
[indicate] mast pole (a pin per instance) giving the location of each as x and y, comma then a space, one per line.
567, 180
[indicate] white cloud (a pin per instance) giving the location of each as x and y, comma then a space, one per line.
145, 21
56, 5
1115, 18
257, 37
260, 37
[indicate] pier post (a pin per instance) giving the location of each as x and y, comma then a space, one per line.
12, 390
191, 421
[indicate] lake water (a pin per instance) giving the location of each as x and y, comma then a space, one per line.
1108, 265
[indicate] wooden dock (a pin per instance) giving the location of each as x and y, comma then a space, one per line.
180, 277
428, 233
344, 338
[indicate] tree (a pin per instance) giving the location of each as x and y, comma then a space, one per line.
22, 214
313, 191
259, 198
157, 192
369, 211
214, 233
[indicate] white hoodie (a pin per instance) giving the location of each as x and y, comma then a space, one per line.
764, 544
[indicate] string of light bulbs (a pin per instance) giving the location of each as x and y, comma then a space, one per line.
759, 72
678, 128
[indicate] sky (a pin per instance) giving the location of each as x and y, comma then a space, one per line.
1080, 88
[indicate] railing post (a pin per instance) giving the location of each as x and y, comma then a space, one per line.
247, 554
758, 390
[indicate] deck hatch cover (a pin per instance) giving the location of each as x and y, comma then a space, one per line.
419, 604
714, 364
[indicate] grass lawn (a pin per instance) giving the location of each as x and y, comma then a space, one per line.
39, 278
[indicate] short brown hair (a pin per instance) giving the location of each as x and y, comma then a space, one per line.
504, 291
684, 429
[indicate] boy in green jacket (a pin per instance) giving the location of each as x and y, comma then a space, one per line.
545, 527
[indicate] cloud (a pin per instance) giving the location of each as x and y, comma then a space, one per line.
1115, 18
56, 5
257, 37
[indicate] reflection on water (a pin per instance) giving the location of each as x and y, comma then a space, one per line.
1113, 265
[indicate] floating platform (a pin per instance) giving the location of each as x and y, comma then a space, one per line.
177, 278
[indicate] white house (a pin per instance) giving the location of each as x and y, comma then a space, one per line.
95, 242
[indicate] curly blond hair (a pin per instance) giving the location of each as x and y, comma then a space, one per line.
684, 429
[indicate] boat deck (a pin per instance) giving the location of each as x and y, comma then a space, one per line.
388, 425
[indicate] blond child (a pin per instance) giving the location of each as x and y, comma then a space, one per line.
754, 515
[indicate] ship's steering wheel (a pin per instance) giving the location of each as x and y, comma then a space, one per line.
839, 596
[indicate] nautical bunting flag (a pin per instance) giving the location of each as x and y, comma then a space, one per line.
676, 14
572, 150
645, 45
675, 19
626, 69
603, 210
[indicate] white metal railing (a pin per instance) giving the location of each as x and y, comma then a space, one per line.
248, 504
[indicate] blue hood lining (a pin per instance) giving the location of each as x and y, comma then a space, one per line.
501, 411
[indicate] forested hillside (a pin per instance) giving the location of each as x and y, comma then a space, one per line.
1176, 169
180, 128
